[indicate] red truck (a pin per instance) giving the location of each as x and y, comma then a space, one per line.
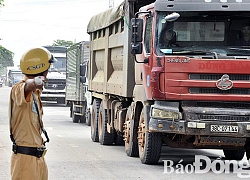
171, 72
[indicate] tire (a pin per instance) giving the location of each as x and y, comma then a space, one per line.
82, 111
131, 148
82, 119
149, 144
94, 120
119, 141
248, 154
105, 138
247, 149
75, 118
88, 118
71, 109
236, 154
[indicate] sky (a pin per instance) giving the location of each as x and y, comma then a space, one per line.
25, 24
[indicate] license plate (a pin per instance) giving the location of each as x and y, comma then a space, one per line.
224, 128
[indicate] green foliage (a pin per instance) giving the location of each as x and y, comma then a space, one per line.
6, 57
62, 43
1, 3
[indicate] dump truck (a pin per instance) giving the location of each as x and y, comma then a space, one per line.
55, 84
77, 94
186, 89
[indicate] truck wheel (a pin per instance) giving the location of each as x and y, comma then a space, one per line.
105, 138
131, 130
94, 120
247, 148
248, 154
119, 139
71, 109
75, 118
88, 118
131, 148
149, 143
82, 119
236, 154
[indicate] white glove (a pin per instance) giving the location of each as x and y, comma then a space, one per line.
38, 80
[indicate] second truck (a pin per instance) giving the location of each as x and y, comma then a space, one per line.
77, 96
190, 92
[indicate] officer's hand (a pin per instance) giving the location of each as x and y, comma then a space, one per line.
38, 80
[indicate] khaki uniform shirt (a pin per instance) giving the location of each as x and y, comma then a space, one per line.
23, 115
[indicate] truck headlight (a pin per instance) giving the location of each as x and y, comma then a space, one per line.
165, 114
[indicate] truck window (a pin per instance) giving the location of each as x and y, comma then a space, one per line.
208, 32
199, 31
59, 65
148, 34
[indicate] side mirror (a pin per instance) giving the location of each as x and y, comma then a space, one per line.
136, 48
83, 79
136, 38
82, 70
137, 26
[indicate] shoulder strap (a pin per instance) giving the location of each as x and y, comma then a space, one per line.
43, 130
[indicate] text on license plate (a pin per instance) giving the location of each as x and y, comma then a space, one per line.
224, 128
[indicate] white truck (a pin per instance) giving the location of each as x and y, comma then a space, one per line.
77, 96
13, 75
54, 87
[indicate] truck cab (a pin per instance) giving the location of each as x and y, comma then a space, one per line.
55, 85
193, 63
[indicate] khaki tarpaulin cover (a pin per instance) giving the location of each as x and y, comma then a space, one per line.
106, 18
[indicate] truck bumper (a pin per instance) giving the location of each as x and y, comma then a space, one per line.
52, 95
208, 128
58, 97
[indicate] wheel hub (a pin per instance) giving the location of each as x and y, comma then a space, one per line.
141, 134
126, 131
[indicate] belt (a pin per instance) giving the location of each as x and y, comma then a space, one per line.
32, 151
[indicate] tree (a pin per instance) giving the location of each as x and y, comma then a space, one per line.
64, 43
6, 57
1, 3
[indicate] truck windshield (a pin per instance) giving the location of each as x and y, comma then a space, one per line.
18, 76
59, 65
204, 33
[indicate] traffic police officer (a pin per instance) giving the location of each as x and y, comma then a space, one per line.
25, 115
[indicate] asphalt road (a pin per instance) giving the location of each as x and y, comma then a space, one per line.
73, 156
